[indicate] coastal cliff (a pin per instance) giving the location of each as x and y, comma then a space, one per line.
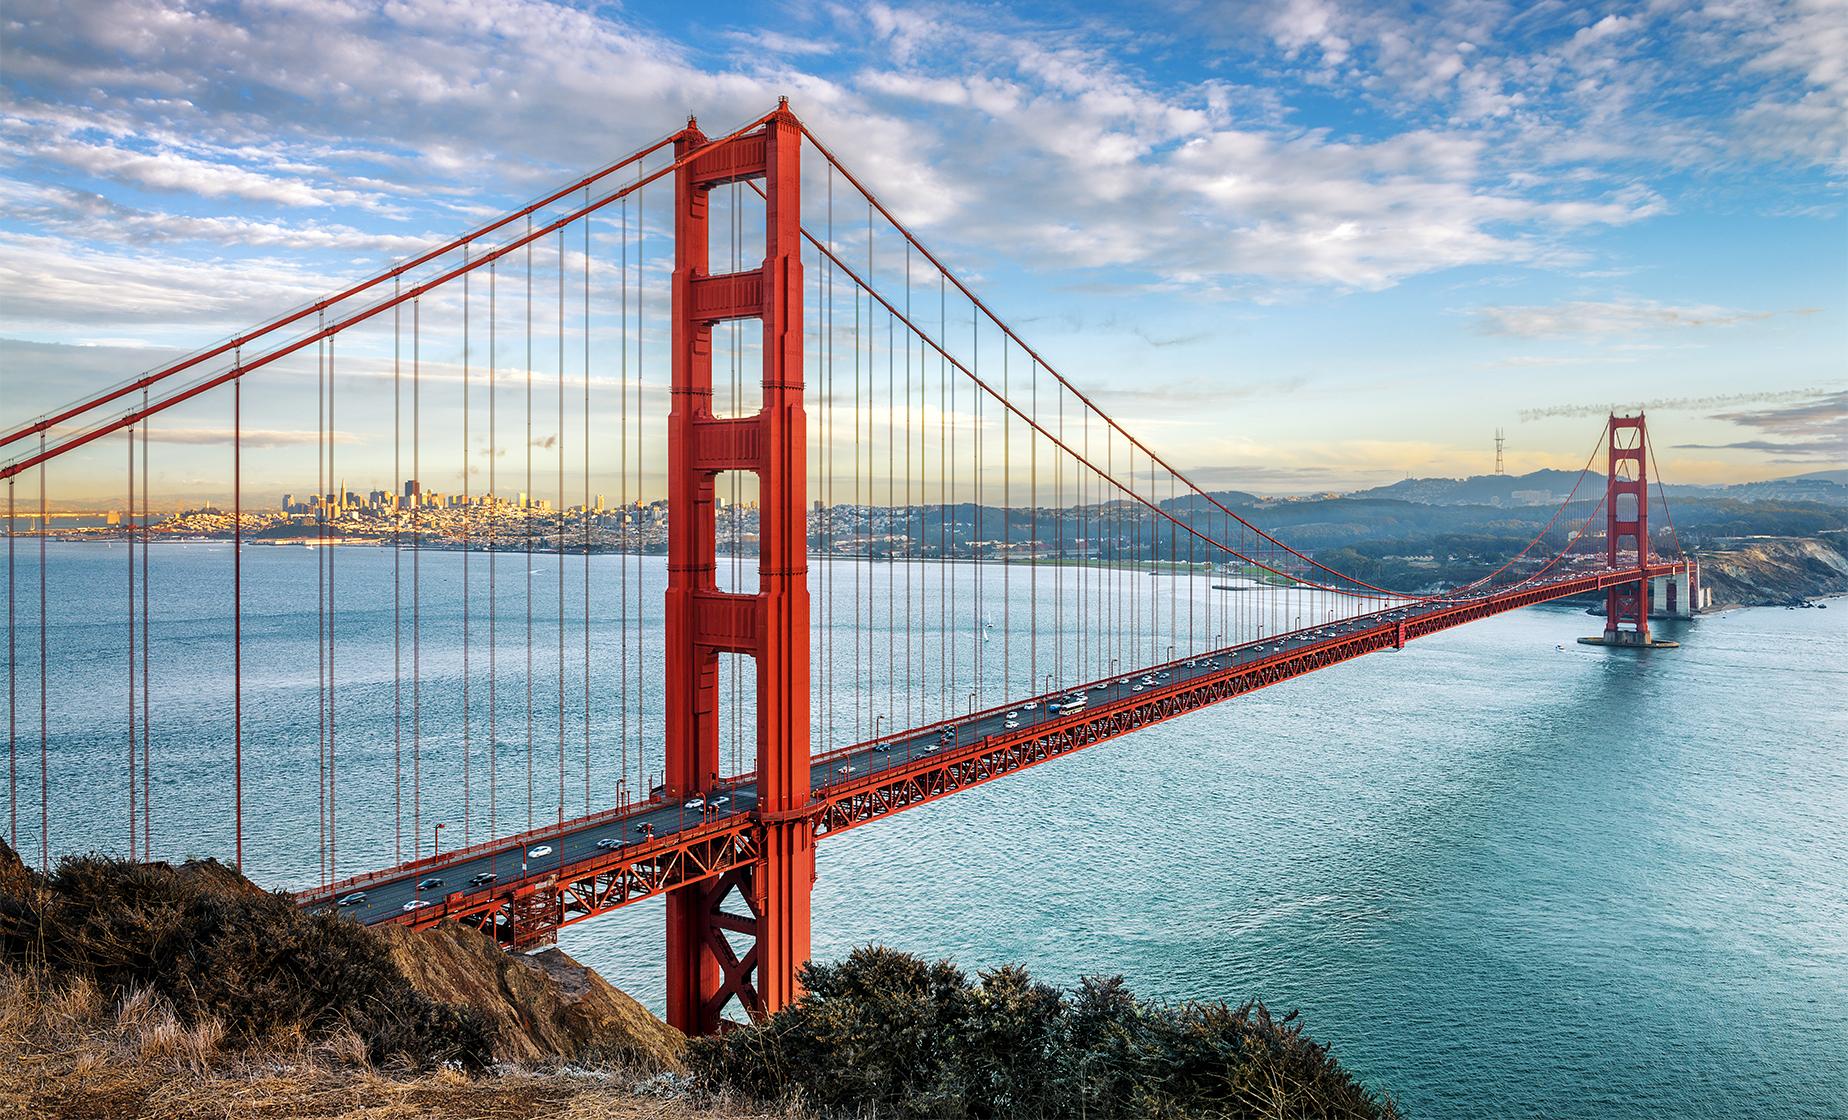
1775, 571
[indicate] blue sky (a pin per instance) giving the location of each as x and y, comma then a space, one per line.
1300, 246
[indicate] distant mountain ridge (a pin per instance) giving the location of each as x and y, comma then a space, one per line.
1550, 487
1480, 490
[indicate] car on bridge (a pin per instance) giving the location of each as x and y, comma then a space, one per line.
429, 884
483, 879
609, 842
541, 850
415, 904
697, 801
357, 898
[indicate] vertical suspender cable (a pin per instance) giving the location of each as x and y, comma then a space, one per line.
622, 591
333, 829
558, 525
494, 513
12, 675
641, 443
526, 522
859, 622
585, 509
147, 753
827, 456
128, 533
237, 611
44, 527
468, 514
417, 505
397, 567
322, 513
912, 541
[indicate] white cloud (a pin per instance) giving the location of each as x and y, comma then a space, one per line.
1609, 317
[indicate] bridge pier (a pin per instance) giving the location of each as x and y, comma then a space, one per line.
704, 972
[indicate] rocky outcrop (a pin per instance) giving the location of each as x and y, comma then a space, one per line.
545, 1007
1774, 571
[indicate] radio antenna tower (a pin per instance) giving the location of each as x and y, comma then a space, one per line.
1499, 441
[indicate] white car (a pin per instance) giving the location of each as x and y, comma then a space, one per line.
1030, 705
1013, 715
1100, 686
721, 799
609, 842
1011, 724
1139, 688
694, 802
415, 904
541, 850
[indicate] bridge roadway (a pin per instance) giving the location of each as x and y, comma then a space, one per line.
646, 833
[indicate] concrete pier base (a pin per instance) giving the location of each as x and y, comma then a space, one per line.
1629, 640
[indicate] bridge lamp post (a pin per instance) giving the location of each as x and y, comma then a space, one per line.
876, 722
1048, 682
1171, 651
972, 703
436, 840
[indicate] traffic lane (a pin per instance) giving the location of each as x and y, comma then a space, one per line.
387, 899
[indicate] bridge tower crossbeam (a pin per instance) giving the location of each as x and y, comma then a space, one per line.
704, 971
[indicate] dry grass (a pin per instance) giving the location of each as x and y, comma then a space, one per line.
66, 1051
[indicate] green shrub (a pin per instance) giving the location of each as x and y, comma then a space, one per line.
884, 1033
217, 948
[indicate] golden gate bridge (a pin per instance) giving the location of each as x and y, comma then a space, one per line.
993, 574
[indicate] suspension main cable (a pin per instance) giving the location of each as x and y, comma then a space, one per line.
395, 273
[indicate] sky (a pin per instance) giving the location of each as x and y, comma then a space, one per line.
1298, 246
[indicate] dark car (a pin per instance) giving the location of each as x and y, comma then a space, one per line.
357, 898
482, 879
430, 884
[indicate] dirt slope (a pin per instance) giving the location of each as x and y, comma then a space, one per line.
545, 1007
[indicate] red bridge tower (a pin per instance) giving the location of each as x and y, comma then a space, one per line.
1626, 510
771, 626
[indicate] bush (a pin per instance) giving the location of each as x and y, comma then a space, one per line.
887, 1034
220, 950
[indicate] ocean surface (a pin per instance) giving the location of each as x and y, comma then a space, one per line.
1504, 875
